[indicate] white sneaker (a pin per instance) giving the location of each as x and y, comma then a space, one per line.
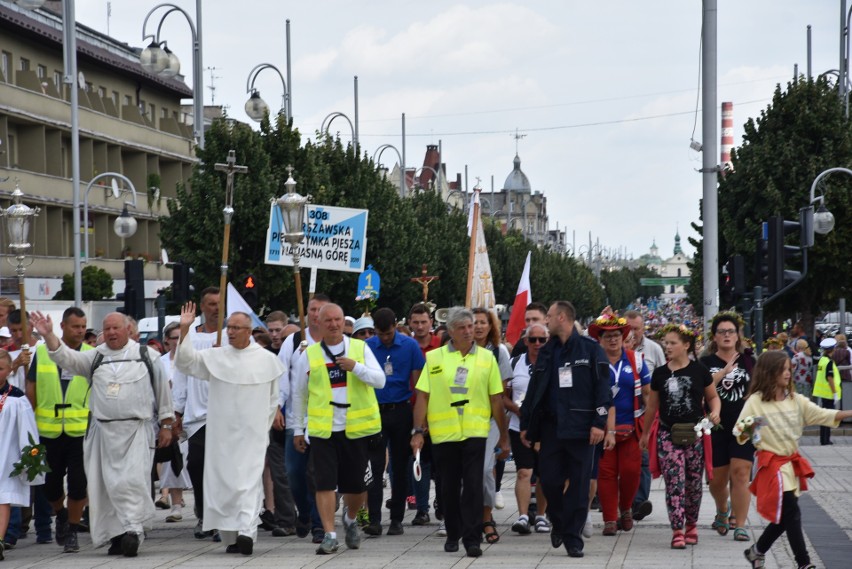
442, 529
499, 503
587, 528
175, 515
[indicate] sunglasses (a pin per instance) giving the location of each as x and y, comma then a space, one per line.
536, 339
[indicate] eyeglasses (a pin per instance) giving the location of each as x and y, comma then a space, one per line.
229, 328
726, 332
536, 339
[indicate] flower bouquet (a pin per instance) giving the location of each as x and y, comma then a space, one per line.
33, 461
748, 429
366, 302
704, 427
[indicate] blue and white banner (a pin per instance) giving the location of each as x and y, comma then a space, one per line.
335, 239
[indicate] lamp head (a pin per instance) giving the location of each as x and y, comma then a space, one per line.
173, 63
823, 220
293, 207
256, 108
125, 224
17, 218
153, 59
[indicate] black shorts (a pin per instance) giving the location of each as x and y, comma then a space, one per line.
524, 457
339, 463
726, 447
64, 455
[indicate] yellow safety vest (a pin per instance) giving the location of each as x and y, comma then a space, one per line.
821, 387
362, 415
54, 413
459, 412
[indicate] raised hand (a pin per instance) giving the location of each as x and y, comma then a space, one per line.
43, 324
187, 314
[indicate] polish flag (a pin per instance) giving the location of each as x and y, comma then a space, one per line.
519, 308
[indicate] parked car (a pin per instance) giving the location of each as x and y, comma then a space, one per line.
829, 325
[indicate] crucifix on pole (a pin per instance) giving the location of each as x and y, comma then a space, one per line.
424, 280
231, 167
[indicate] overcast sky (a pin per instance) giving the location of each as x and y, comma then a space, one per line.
605, 92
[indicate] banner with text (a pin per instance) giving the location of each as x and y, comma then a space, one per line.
335, 239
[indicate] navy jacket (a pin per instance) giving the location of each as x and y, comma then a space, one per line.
577, 408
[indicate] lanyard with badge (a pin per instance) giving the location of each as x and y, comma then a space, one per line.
566, 378
388, 367
616, 375
335, 373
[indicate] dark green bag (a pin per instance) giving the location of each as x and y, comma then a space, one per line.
683, 434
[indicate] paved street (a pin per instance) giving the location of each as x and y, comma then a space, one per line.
827, 515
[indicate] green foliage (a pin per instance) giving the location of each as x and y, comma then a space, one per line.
800, 134
97, 285
403, 234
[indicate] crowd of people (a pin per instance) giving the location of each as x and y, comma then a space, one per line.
275, 427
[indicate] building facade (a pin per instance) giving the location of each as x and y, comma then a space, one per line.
130, 123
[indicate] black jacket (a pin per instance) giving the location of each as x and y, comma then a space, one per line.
578, 408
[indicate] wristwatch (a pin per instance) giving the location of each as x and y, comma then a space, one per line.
166, 426
417, 431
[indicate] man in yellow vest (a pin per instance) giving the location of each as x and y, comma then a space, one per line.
458, 393
61, 405
827, 385
334, 403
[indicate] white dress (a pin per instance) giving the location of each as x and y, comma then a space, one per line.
168, 479
16, 422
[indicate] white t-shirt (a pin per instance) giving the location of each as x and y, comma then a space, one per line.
519, 384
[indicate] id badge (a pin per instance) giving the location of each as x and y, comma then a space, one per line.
461, 376
615, 389
66, 375
566, 378
112, 390
671, 385
388, 367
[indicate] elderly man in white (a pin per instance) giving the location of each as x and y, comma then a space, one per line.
127, 384
243, 401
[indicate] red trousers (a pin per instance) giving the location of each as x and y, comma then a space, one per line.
618, 476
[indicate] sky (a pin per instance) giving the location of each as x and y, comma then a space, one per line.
605, 94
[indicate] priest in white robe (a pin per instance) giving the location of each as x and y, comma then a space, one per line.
242, 403
119, 446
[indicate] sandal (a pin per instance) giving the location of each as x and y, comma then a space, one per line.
722, 522
740, 534
678, 541
490, 536
691, 535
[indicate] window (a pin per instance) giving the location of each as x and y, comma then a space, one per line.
102, 92
41, 70
89, 87
5, 62
153, 114
57, 79
128, 101
164, 113
25, 64
115, 98
13, 151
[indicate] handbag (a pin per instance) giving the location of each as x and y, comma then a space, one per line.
683, 434
171, 454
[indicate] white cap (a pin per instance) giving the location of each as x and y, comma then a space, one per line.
363, 323
4, 332
826, 344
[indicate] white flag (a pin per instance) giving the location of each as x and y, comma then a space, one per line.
482, 289
236, 303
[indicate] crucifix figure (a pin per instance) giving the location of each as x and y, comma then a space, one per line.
231, 167
424, 280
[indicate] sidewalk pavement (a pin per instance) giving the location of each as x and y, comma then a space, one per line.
827, 509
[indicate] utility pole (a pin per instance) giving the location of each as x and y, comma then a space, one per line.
709, 170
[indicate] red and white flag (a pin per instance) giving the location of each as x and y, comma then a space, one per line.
519, 307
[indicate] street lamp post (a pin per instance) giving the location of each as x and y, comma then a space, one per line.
293, 209
256, 108
377, 157
823, 219
326, 125
17, 217
124, 226
161, 61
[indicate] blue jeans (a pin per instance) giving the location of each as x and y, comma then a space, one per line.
296, 464
421, 488
42, 515
14, 529
644, 482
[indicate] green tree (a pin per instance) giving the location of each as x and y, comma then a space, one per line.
801, 133
97, 285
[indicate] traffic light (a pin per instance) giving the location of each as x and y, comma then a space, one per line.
250, 294
134, 289
736, 270
761, 262
182, 288
778, 252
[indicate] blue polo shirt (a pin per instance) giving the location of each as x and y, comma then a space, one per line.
405, 356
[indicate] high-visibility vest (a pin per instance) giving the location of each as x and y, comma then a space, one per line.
54, 413
821, 387
362, 414
456, 412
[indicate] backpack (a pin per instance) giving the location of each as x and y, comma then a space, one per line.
144, 357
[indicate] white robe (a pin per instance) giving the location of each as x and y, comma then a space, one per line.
16, 422
241, 407
118, 450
